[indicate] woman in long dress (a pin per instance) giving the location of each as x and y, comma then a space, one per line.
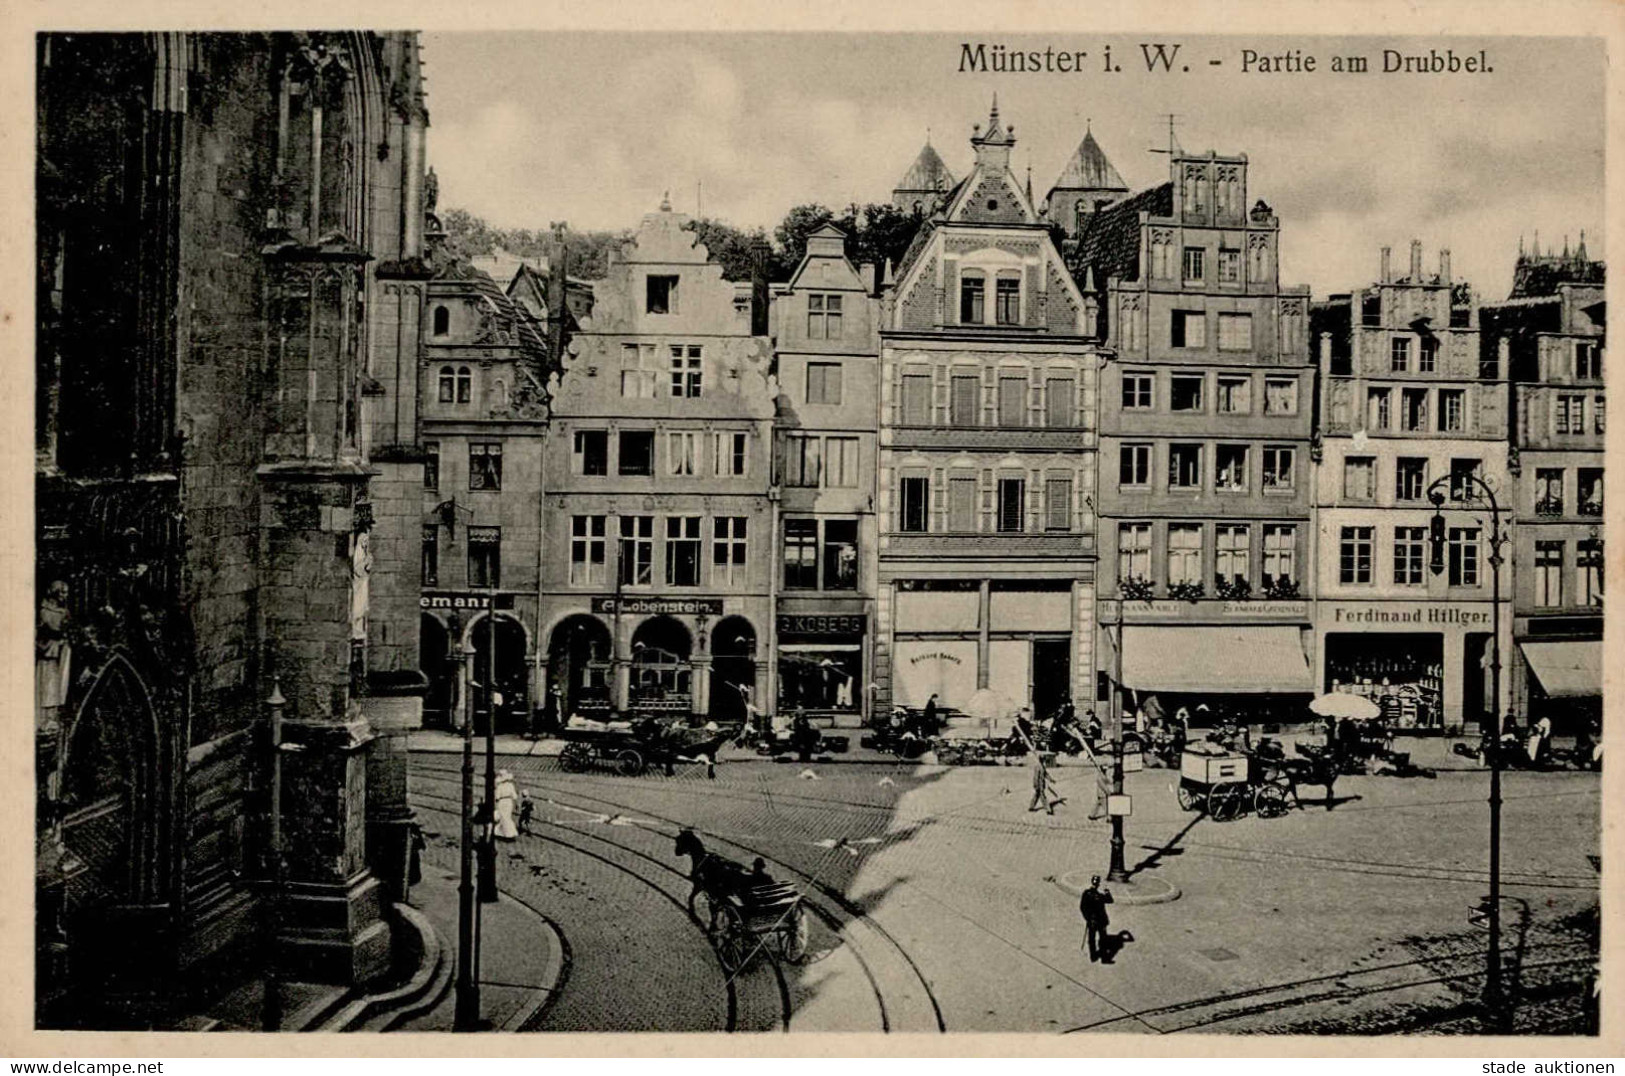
507, 800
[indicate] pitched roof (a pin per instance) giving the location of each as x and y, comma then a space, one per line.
927, 173
527, 336
1089, 169
1110, 244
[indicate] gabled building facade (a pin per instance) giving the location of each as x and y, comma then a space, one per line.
659, 511
986, 477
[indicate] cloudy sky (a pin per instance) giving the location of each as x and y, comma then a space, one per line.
532, 127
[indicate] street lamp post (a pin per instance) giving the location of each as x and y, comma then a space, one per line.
271, 1011
467, 1014
1493, 1000
1118, 871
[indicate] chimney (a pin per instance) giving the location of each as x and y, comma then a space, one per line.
1444, 266
869, 273
1387, 265
758, 288
1416, 261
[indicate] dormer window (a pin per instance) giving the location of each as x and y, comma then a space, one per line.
972, 298
824, 317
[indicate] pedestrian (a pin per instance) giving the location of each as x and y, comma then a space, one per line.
1092, 905
803, 737
1043, 789
505, 830
527, 811
1540, 741
931, 716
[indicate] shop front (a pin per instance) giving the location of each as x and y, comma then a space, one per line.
1427, 665
1563, 680
821, 666
501, 649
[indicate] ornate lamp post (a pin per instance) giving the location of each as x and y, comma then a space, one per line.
1464, 487
1118, 871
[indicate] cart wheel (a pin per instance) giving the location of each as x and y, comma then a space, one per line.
575, 757
793, 937
628, 763
1187, 796
1269, 800
1224, 802
703, 909
730, 937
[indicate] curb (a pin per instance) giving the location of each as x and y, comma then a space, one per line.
1131, 893
553, 975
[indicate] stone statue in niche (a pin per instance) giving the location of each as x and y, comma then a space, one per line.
53, 657
360, 583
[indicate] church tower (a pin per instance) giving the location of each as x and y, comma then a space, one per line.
926, 180
1086, 185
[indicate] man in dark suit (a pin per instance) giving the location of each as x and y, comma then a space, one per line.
1095, 920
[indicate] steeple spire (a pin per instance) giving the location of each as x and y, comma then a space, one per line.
1580, 254
665, 202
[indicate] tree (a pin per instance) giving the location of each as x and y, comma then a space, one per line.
733, 248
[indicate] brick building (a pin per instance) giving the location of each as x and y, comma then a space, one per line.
1205, 424
985, 488
1548, 337
229, 278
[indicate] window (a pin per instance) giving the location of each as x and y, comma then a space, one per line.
802, 460
1376, 409
1162, 257
1194, 264
1598, 404
1587, 361
1134, 466
638, 384
915, 495
1185, 393
800, 554
1012, 505
823, 382
1134, 550
1278, 468
683, 551
916, 399
431, 465
1137, 391
1235, 395
686, 370
1280, 554
485, 557
728, 454
1013, 401
1549, 573
1189, 329
1184, 553
1007, 300
1588, 561
1452, 407
728, 551
1354, 555
1462, 473
1280, 396
590, 452
1359, 478
1060, 403
661, 294
448, 385
972, 296
1371, 310
1184, 466
1408, 555
682, 450
841, 462
962, 505
442, 321
840, 554
485, 466
637, 452
1058, 504
1410, 478
824, 317
1427, 359
1230, 554
1463, 547
431, 554
1413, 409
1569, 414
1230, 468
637, 553
1549, 491
1195, 190
587, 549
1399, 353
1235, 332
1229, 266
1590, 499
964, 406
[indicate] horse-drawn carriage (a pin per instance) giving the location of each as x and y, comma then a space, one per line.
1226, 783
630, 747
743, 912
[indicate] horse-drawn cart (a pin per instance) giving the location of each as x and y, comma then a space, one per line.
1227, 784
743, 912
630, 748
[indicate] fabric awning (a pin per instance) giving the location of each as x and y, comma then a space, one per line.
1567, 669
1254, 659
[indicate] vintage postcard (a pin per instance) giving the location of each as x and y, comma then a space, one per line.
1039, 527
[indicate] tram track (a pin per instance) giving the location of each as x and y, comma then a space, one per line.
827, 903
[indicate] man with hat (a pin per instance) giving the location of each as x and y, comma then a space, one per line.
1095, 920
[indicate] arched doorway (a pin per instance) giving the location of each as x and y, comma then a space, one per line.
512, 674
434, 658
733, 669
662, 678
578, 665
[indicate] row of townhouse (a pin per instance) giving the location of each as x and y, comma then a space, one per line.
1056, 447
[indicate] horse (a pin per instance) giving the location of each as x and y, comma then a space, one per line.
715, 876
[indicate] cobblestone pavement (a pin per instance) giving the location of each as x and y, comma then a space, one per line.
936, 902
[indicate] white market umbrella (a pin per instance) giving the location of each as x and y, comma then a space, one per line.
1340, 704
987, 703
